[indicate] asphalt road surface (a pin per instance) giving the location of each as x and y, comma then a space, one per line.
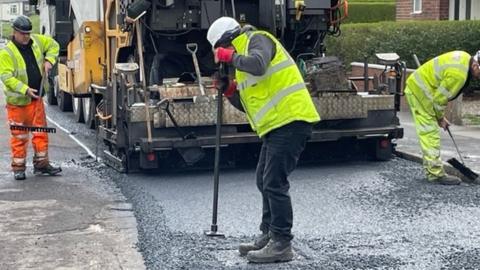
350, 215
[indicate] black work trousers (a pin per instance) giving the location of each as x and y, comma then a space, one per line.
279, 155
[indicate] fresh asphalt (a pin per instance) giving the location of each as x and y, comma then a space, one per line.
352, 215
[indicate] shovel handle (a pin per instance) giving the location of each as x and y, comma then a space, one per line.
192, 48
454, 143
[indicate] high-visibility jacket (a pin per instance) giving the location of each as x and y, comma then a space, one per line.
276, 98
13, 70
439, 81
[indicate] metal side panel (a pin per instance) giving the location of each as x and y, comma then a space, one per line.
379, 102
340, 107
319, 135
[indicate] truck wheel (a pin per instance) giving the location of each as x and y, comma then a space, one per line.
64, 100
78, 109
51, 97
89, 112
383, 149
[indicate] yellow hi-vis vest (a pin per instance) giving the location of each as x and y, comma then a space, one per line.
276, 98
13, 70
439, 80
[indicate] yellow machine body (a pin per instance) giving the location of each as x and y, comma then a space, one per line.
86, 55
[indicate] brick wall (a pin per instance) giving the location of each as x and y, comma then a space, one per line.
431, 10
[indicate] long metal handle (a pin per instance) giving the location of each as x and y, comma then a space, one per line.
40, 91
454, 143
144, 80
216, 168
192, 48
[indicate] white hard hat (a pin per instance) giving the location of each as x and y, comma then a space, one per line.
219, 27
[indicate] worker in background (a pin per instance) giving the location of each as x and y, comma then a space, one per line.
279, 108
23, 62
428, 90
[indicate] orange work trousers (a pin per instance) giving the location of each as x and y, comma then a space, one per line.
32, 114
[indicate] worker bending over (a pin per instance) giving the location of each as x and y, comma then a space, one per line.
428, 91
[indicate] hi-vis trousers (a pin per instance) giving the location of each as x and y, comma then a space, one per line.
32, 114
428, 132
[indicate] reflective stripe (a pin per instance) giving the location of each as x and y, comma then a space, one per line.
426, 128
37, 42
40, 47
12, 56
252, 80
14, 94
457, 66
444, 91
40, 154
6, 76
436, 67
19, 87
422, 86
433, 163
440, 68
19, 160
21, 72
21, 136
276, 99
432, 152
438, 107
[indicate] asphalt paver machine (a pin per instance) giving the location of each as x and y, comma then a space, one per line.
126, 69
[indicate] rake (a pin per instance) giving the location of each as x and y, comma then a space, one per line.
33, 128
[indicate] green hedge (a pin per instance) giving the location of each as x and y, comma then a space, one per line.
370, 12
427, 39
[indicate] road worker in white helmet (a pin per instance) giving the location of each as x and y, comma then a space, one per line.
428, 91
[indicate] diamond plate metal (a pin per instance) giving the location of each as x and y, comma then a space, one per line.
379, 102
331, 107
137, 114
192, 114
204, 114
185, 90
231, 115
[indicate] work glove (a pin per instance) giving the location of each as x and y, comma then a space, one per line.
227, 86
47, 66
444, 123
224, 55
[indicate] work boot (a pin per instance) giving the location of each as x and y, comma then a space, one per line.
19, 175
258, 243
447, 180
275, 251
49, 169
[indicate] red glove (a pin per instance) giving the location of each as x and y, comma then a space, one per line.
232, 87
227, 86
224, 55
